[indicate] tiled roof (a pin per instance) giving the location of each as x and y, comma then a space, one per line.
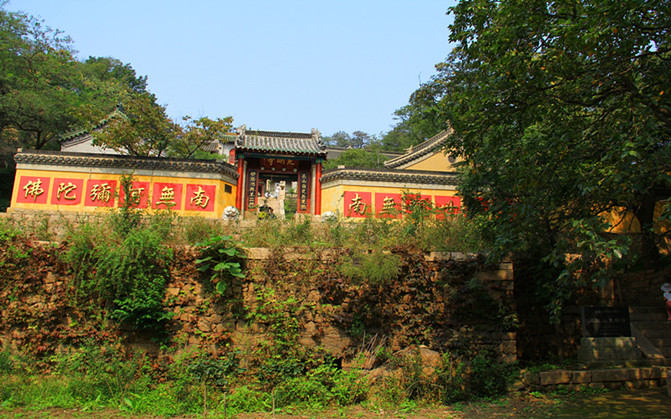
429, 146
56, 158
391, 176
81, 136
280, 142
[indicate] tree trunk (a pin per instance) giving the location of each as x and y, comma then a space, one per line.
645, 212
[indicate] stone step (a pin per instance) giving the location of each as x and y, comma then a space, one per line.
648, 309
661, 343
663, 362
655, 330
654, 325
648, 317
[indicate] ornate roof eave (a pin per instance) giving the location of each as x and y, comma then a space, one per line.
391, 176
280, 142
429, 146
57, 158
79, 136
275, 152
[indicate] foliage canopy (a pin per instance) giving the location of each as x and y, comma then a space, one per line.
45, 92
561, 109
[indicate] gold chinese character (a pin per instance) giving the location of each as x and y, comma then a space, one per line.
167, 197
389, 206
33, 189
199, 198
135, 196
101, 192
68, 191
136, 192
357, 206
449, 208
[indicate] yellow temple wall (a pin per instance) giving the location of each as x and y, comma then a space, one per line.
73, 189
435, 162
623, 221
359, 199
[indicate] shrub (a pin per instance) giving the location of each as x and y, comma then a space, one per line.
464, 378
220, 259
128, 274
246, 399
198, 229
6, 362
377, 267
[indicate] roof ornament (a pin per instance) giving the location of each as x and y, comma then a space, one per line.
241, 134
318, 138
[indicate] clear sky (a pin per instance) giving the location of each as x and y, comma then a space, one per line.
279, 65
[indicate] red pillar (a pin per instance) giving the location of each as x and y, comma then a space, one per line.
241, 178
318, 189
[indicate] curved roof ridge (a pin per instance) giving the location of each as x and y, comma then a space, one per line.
280, 142
81, 135
391, 175
420, 150
59, 158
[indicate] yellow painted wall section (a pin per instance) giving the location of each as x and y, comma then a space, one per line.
359, 201
66, 191
623, 221
437, 162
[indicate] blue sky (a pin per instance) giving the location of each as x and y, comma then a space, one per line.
287, 65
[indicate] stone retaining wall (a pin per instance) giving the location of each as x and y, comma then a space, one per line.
616, 378
40, 316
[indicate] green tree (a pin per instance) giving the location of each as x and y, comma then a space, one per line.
358, 139
561, 109
422, 118
357, 157
44, 91
197, 133
145, 129
108, 68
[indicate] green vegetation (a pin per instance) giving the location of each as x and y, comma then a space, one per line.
221, 259
124, 274
427, 229
119, 265
560, 109
47, 93
93, 378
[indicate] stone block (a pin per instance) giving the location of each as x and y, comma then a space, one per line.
204, 326
579, 377
608, 349
555, 377
459, 256
50, 278
436, 256
306, 341
258, 253
496, 276
506, 266
610, 375
642, 374
659, 373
